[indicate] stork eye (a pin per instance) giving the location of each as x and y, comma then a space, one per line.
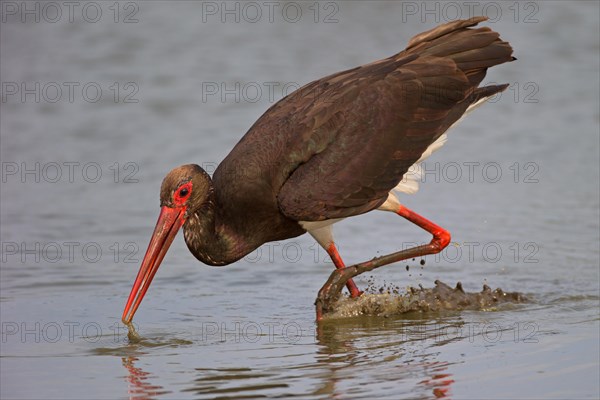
182, 193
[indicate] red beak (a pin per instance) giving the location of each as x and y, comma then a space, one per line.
167, 226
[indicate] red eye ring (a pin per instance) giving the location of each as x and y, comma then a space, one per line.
182, 193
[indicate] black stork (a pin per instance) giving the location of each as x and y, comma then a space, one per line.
335, 148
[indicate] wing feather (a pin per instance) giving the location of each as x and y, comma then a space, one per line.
336, 147
400, 106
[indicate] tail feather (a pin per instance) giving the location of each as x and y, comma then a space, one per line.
458, 42
444, 29
473, 50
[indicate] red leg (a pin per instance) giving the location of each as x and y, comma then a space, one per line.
441, 238
339, 264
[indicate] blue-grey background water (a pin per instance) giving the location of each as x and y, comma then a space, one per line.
101, 99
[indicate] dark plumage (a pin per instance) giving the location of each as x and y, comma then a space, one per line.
336, 147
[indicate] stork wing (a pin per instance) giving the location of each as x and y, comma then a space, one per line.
359, 131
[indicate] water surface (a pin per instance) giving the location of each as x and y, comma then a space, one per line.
517, 185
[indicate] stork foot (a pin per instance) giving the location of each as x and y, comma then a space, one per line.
332, 289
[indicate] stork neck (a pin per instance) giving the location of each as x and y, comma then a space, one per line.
209, 239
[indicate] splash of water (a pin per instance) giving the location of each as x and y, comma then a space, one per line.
439, 298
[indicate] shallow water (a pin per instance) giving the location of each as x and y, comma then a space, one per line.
517, 185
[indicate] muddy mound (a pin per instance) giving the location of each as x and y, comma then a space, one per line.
439, 298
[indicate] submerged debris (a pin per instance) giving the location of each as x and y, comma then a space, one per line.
439, 298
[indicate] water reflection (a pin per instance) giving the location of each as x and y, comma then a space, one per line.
439, 382
236, 382
140, 387
339, 362
403, 349
338, 357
